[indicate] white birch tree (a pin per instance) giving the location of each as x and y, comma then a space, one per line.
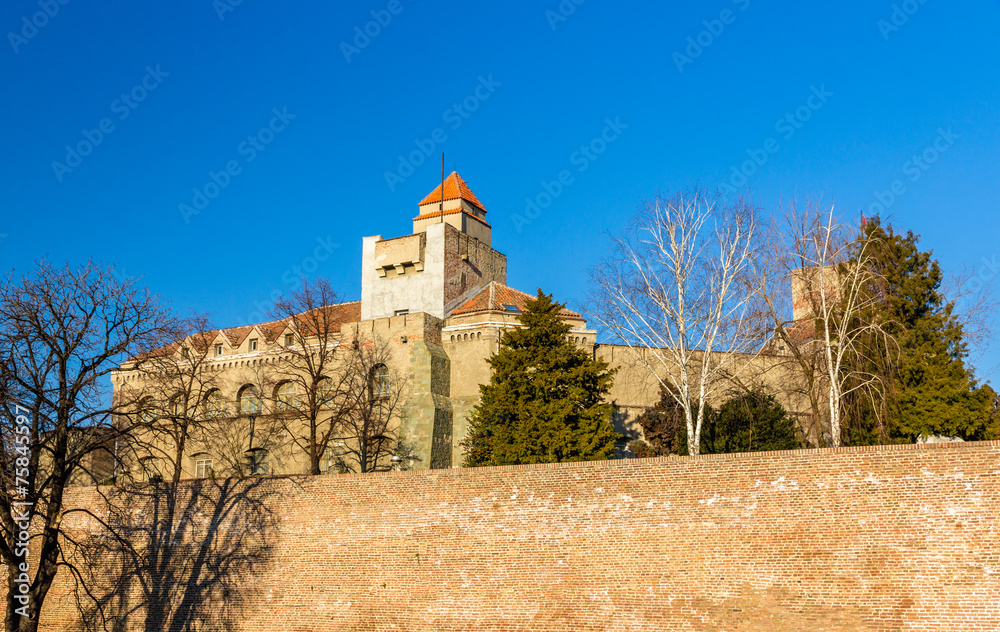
673, 291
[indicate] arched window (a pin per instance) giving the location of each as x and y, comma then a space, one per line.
215, 403
333, 459
147, 410
324, 393
178, 409
287, 396
380, 381
250, 403
150, 468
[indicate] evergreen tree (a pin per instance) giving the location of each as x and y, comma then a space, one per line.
928, 388
663, 427
748, 422
544, 402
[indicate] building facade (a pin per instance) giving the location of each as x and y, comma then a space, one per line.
438, 300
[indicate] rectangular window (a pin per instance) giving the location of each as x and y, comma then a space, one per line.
203, 468
150, 468
402, 312
253, 345
289, 339
218, 350
333, 459
260, 463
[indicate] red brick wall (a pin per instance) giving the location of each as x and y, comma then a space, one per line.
896, 538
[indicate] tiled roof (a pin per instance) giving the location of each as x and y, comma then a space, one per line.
455, 188
495, 296
342, 313
799, 332
451, 212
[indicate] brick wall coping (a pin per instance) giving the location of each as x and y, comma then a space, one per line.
615, 463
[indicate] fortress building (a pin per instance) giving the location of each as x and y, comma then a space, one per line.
439, 298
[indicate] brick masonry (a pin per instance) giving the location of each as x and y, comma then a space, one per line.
889, 539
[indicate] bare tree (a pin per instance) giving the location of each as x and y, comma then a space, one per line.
841, 283
310, 399
372, 397
243, 436
63, 331
777, 285
672, 291
170, 387
834, 294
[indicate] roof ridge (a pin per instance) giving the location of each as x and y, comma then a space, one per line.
454, 187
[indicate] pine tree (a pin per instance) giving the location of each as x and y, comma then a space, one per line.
928, 388
663, 429
750, 422
544, 402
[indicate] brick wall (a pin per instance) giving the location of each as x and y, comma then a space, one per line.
894, 538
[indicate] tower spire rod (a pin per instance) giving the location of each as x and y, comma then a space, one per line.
441, 205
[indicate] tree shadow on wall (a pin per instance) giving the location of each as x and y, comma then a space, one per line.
173, 557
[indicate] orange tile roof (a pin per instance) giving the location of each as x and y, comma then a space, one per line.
799, 332
493, 298
452, 212
342, 313
345, 313
455, 188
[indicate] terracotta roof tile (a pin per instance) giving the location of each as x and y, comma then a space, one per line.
451, 212
799, 331
455, 188
495, 296
343, 313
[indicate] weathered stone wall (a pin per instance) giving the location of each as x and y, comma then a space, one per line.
635, 387
850, 539
468, 264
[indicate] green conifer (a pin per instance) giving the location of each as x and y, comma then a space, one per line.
928, 389
545, 400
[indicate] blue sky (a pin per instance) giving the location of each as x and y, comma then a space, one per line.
184, 89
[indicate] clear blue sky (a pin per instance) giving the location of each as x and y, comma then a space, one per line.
550, 84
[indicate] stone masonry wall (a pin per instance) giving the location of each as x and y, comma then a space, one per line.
851, 539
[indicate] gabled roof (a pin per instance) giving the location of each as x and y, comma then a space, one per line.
455, 188
340, 314
495, 297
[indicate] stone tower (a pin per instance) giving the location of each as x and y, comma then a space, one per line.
418, 280
447, 255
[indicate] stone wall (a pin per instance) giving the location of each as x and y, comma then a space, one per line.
850, 539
